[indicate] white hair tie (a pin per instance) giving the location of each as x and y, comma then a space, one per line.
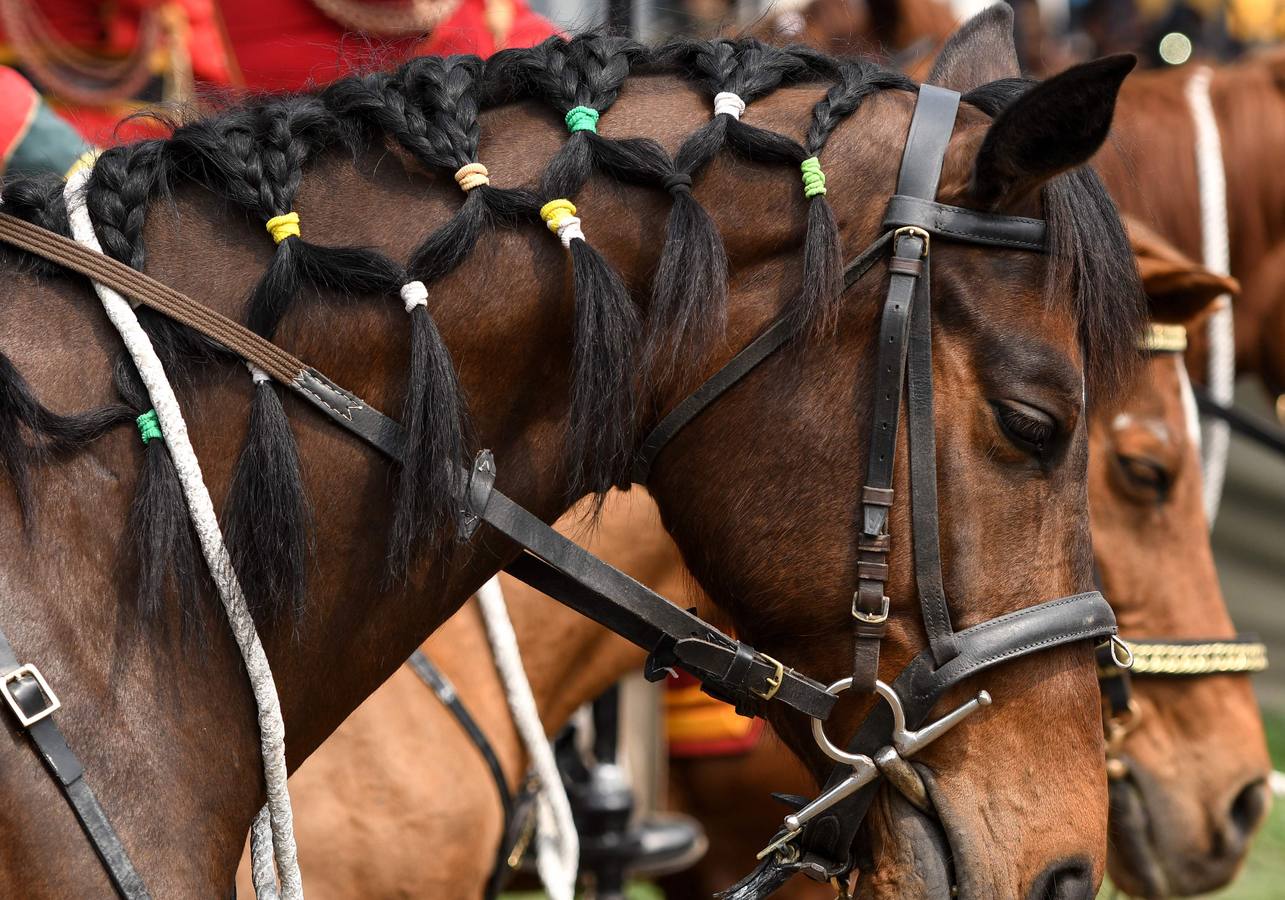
725, 102
257, 375
414, 293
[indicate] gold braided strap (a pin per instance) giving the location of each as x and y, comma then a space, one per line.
1203, 658
1162, 338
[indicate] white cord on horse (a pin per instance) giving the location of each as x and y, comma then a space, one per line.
277, 812
557, 842
1216, 249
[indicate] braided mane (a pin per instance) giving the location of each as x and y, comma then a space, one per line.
254, 155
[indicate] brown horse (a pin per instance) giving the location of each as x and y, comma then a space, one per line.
165, 727
1195, 790
1149, 166
1195, 751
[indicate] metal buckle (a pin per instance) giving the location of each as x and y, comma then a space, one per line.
870, 618
773, 682
53, 704
912, 231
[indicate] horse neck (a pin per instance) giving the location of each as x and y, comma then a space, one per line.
1149, 164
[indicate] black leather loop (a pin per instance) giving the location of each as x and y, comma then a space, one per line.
957, 224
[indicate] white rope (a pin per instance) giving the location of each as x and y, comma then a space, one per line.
414, 293
1216, 249
271, 726
557, 842
725, 102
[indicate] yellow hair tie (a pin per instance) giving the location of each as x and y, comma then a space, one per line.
471, 176
556, 213
282, 227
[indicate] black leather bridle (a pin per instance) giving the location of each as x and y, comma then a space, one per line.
817, 839
820, 845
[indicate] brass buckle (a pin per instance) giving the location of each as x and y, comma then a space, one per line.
52, 703
774, 681
913, 231
871, 618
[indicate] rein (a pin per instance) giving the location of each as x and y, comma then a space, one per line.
817, 839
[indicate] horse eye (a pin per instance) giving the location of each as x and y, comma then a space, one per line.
1146, 476
1030, 429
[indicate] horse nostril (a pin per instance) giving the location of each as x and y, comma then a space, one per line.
1066, 880
1247, 811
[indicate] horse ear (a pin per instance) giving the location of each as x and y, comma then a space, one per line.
981, 51
1179, 290
1056, 125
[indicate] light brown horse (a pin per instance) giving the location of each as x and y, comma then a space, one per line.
166, 728
1149, 166
1196, 755
1196, 751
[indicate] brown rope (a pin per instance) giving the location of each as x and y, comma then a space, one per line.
147, 291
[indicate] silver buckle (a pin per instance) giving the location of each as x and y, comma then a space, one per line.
870, 618
52, 703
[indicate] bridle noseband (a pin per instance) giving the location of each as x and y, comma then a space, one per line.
820, 840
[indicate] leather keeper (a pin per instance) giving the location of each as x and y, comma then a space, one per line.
876, 496
901, 266
872, 570
879, 543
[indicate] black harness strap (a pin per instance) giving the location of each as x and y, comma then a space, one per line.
908, 291
442, 688
32, 702
576, 578
1243, 423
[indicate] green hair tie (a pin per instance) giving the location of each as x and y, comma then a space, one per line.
813, 177
149, 427
582, 118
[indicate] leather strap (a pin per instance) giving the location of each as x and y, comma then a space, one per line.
930, 129
772, 339
1246, 424
908, 287
924, 525
957, 224
442, 688
66, 769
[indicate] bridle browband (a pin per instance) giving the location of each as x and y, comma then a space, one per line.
820, 837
